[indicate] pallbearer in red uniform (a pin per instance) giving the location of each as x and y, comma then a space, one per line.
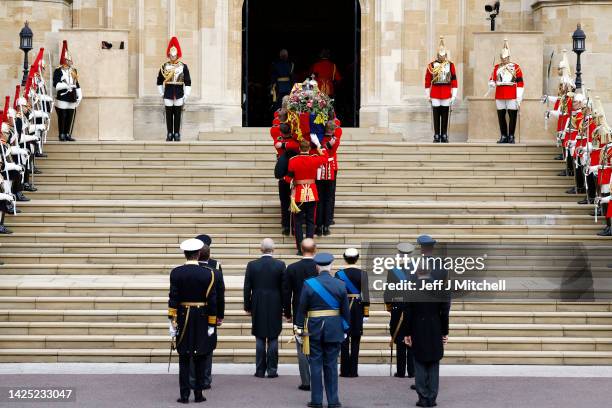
286, 147
507, 79
302, 173
326, 177
441, 89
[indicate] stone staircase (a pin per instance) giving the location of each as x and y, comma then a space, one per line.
85, 275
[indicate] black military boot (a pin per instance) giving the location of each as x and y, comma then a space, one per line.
511, 139
436, 138
21, 197
29, 187
318, 231
444, 139
285, 231
586, 201
198, 396
562, 173
606, 232
326, 231
62, 137
40, 155
37, 170
503, 139
69, 138
4, 230
177, 137
571, 191
169, 137
559, 157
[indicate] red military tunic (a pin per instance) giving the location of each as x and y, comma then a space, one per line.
440, 86
328, 170
604, 175
507, 78
303, 170
572, 132
326, 73
288, 142
564, 105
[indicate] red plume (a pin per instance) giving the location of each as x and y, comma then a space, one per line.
63, 55
17, 90
174, 42
26, 92
7, 103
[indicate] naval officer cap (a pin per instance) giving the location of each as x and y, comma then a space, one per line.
190, 245
206, 239
351, 252
323, 259
425, 240
405, 247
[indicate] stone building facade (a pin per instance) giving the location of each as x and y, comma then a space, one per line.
398, 38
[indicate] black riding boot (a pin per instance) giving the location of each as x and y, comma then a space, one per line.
437, 113
169, 123
503, 126
444, 123
513, 113
178, 111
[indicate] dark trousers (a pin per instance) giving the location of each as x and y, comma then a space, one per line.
173, 118
440, 118
579, 177
284, 194
324, 368
64, 120
206, 372
305, 216
303, 365
349, 356
404, 359
266, 355
17, 184
333, 206
505, 128
591, 186
427, 380
184, 369
324, 206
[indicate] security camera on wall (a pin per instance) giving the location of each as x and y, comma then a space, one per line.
493, 10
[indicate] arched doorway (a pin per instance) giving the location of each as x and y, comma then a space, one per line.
270, 25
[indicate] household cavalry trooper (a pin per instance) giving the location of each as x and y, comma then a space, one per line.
581, 156
174, 85
569, 141
441, 90
13, 171
563, 101
321, 324
356, 282
507, 80
603, 132
192, 314
22, 145
68, 94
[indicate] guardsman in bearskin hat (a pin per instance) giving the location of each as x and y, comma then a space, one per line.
356, 282
192, 314
441, 89
68, 94
326, 177
507, 79
174, 85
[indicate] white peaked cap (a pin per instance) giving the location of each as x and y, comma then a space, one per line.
351, 252
192, 245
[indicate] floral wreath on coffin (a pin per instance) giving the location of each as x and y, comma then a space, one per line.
308, 109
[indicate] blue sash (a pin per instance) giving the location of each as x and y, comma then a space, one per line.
349, 284
399, 274
327, 297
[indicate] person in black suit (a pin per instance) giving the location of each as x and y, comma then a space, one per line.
293, 281
206, 261
263, 301
192, 314
356, 282
425, 329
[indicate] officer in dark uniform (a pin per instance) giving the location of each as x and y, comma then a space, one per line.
321, 324
282, 78
192, 314
208, 262
356, 282
395, 304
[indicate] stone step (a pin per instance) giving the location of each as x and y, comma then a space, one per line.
288, 355
400, 152
244, 329
263, 133
199, 219
363, 180
273, 228
340, 195
479, 343
342, 207
271, 186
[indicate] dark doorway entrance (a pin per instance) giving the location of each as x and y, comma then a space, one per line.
304, 29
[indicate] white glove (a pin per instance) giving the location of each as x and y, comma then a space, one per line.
519, 94
61, 86
491, 84
345, 336
427, 93
6, 197
299, 339
211, 330
187, 93
365, 320
17, 150
13, 166
79, 96
29, 138
160, 89
453, 96
171, 329
314, 139
544, 98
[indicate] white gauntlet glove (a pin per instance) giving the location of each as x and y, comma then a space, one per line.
365, 319
314, 139
6, 197
160, 89
171, 329
13, 166
79, 96
427, 93
211, 330
61, 86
